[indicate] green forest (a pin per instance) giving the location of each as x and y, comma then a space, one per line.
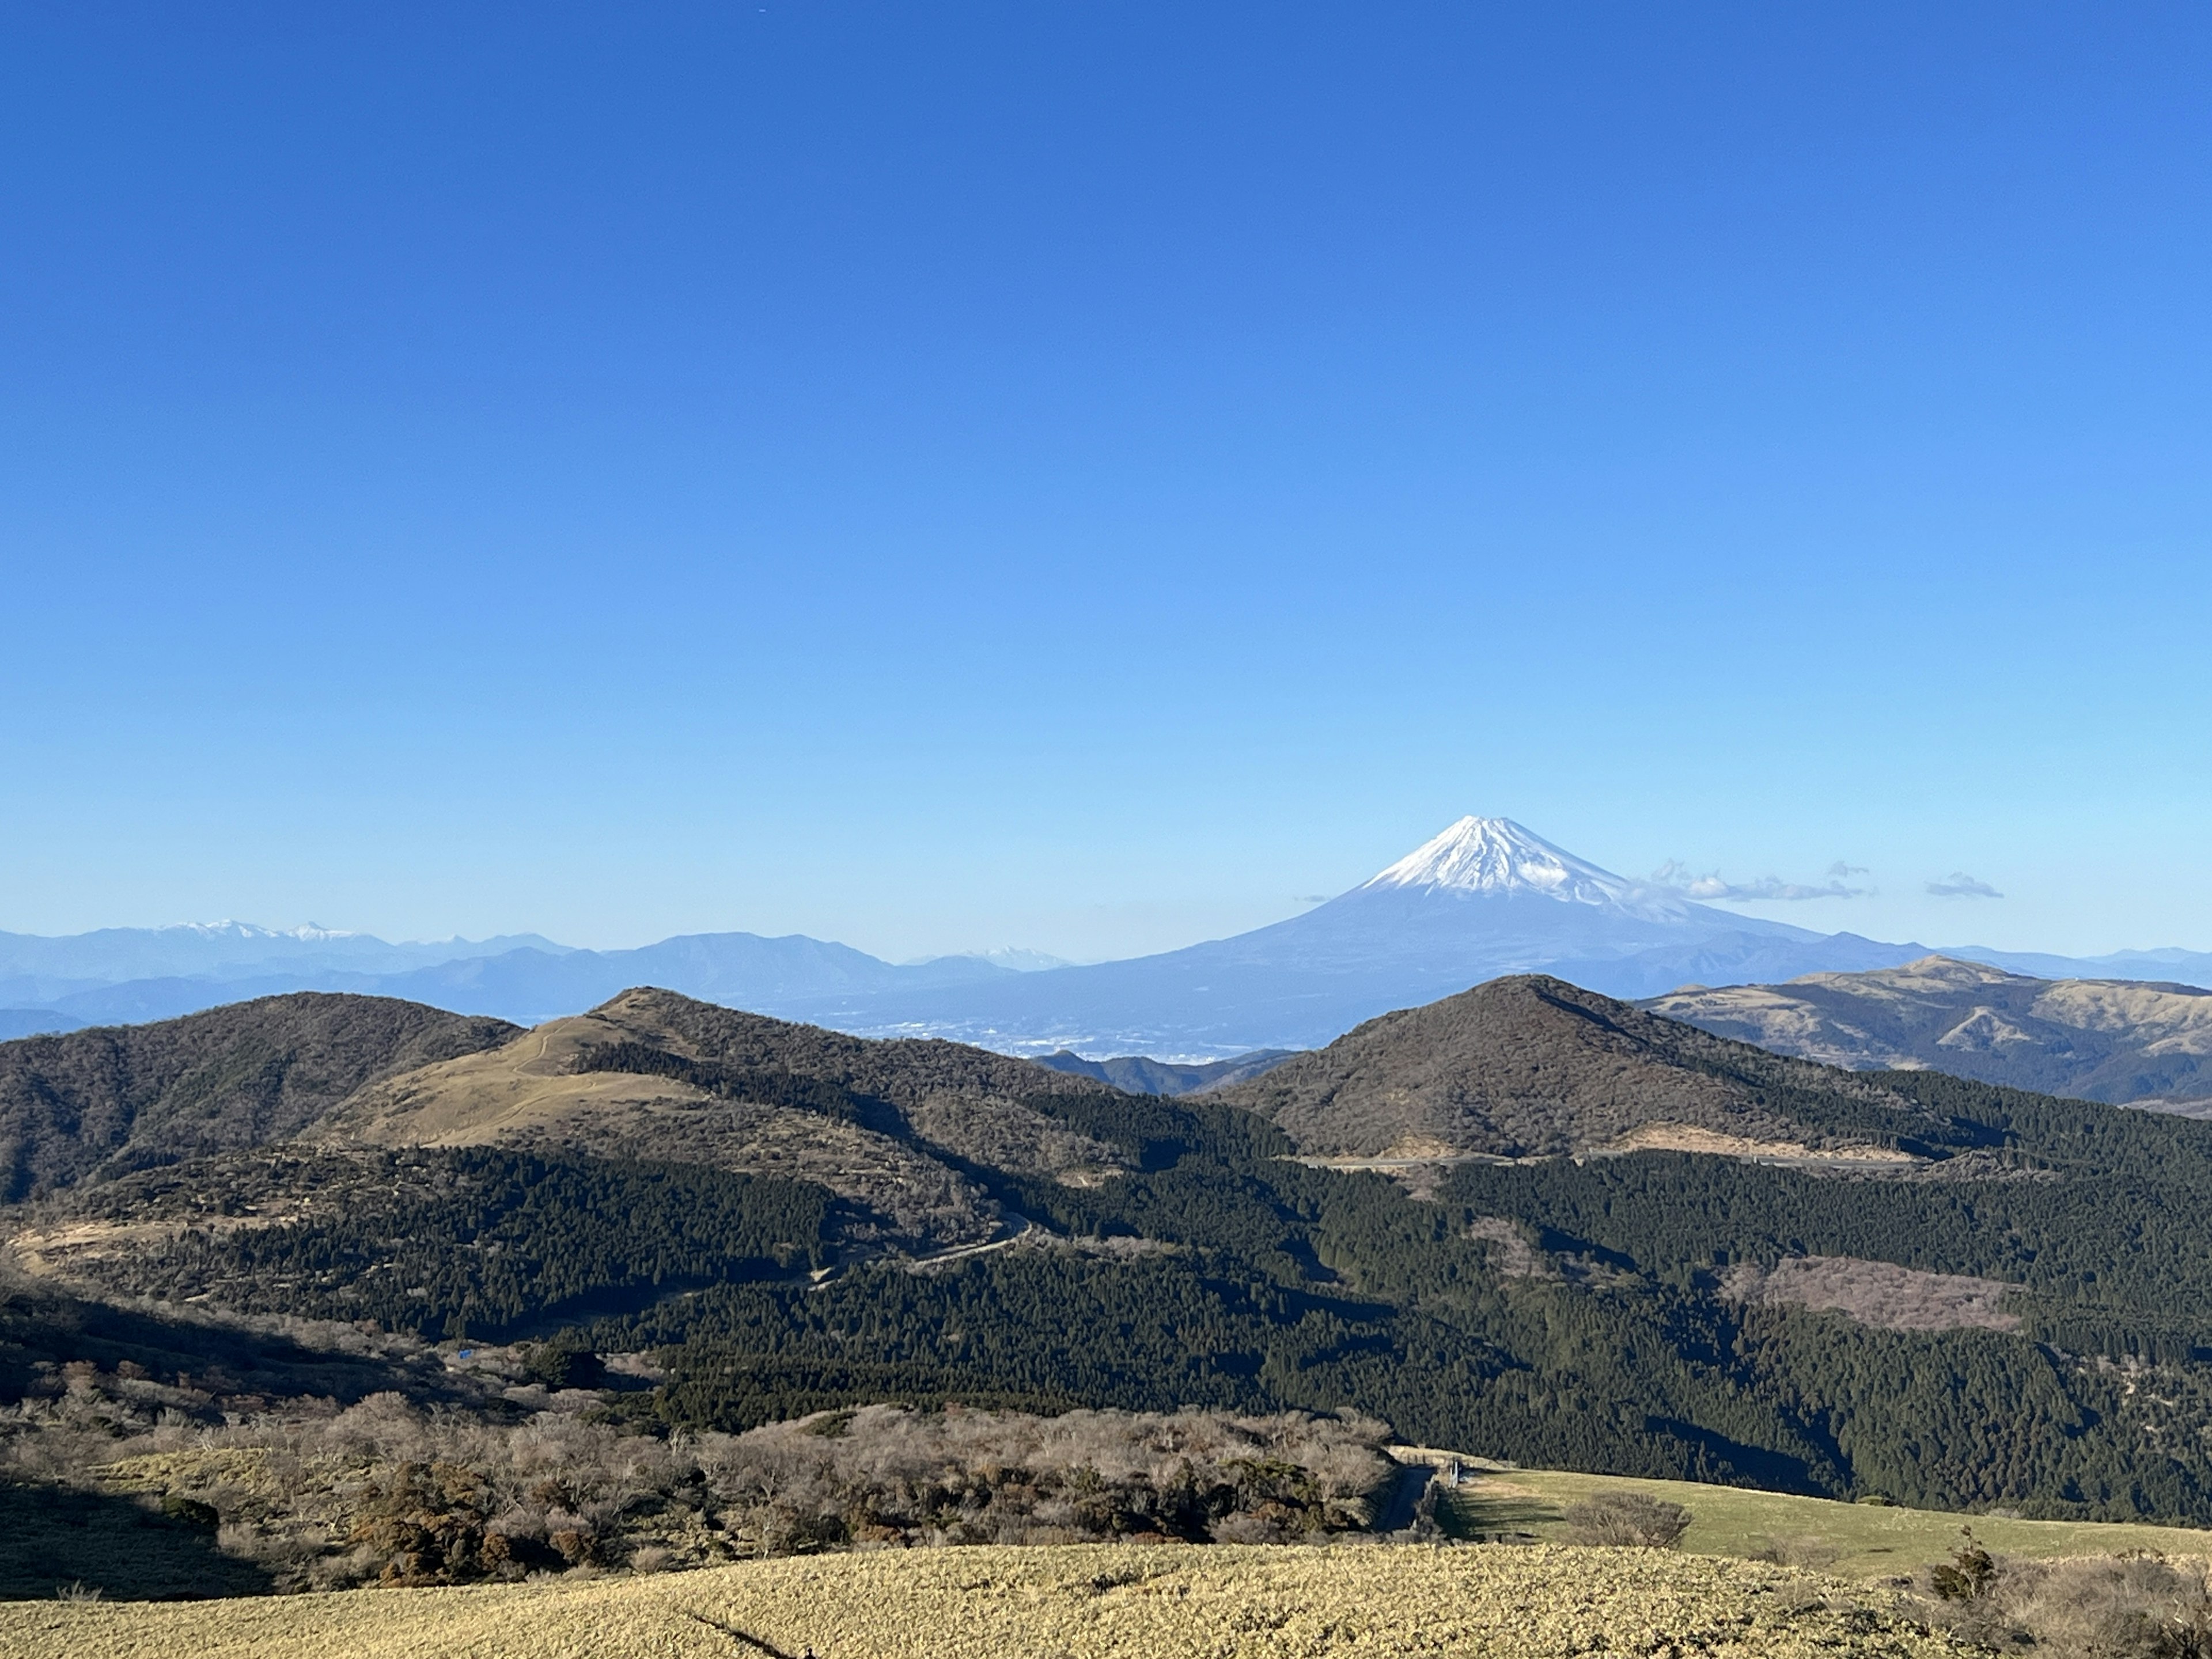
470, 1242
1290, 1286
1217, 1271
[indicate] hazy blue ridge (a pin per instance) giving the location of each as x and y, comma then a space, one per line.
225, 950
1300, 983
2171, 965
1487, 898
33, 1022
794, 973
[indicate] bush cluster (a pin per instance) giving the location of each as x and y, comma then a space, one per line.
390, 1492
2137, 1606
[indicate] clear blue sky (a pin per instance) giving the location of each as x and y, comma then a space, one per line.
1089, 476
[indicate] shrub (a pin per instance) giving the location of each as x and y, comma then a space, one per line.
2100, 1607
192, 1512
1970, 1575
1627, 1517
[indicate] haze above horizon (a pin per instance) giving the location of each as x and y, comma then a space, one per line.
1094, 479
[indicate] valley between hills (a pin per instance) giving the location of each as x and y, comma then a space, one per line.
321, 1290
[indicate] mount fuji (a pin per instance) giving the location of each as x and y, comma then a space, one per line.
1485, 898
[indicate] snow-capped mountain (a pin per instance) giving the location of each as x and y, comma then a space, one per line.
1496, 855
1497, 858
1485, 897
226, 929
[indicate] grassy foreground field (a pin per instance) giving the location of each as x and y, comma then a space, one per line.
1083, 1602
1854, 1541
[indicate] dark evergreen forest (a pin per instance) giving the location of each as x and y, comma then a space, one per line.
1567, 1313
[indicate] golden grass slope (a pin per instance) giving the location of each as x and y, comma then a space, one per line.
1076, 1603
1856, 1540
527, 1085
528, 1094
938, 1096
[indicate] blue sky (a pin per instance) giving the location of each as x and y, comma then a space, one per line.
1090, 477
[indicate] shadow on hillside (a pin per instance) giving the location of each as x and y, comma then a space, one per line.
52, 1538
43, 1327
1473, 1512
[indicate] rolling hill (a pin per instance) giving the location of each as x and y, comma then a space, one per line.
1531, 1066
76, 1105
1604, 1241
654, 1075
2118, 1041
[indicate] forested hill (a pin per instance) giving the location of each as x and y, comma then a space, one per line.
2025, 1320
128, 1096
1533, 1066
1907, 1284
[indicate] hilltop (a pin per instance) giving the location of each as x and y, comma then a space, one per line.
76, 1105
1531, 1066
651, 1074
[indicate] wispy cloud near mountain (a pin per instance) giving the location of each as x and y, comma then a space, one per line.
1962, 885
1711, 886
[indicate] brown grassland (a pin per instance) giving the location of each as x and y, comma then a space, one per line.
1081, 1601
1853, 1540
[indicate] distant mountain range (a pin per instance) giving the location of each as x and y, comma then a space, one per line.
2123, 1042
528, 982
1486, 898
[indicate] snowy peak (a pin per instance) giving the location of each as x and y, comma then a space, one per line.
245, 930
1498, 856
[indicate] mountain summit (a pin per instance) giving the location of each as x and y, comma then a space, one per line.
1496, 855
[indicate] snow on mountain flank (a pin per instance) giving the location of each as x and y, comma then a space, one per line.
229, 929
1496, 855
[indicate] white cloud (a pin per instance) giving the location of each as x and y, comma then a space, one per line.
1711, 886
1962, 885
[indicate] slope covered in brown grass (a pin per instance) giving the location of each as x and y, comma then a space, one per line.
2116, 1041
1083, 1603
695, 1083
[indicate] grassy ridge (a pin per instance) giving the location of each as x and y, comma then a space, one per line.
1854, 1541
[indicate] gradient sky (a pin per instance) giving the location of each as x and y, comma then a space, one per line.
1093, 477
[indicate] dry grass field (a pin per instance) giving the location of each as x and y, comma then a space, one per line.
1854, 1541
1107, 1601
